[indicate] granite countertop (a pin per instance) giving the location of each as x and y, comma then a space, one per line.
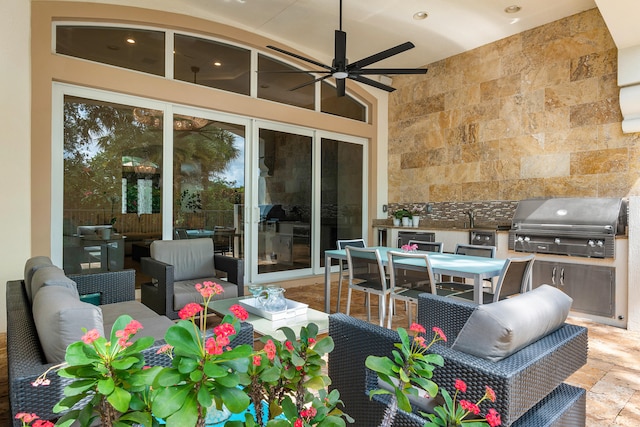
439, 225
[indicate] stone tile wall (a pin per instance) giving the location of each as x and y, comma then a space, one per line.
533, 115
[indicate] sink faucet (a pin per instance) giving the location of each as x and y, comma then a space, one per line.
472, 218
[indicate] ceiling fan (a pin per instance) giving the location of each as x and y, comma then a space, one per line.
341, 69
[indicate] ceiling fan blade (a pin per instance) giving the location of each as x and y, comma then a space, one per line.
340, 57
370, 82
295, 71
319, 79
295, 55
341, 86
364, 71
380, 56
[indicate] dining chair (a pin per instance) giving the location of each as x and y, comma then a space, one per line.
180, 234
341, 244
458, 283
367, 274
406, 287
427, 246
515, 278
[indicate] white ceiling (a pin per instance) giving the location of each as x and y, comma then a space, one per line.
453, 26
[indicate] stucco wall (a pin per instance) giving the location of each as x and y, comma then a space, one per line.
15, 122
533, 115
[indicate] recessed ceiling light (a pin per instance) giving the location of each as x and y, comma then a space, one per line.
131, 40
217, 63
512, 9
420, 15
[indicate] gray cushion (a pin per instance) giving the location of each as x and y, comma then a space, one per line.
495, 331
185, 291
51, 276
30, 267
59, 317
191, 258
153, 325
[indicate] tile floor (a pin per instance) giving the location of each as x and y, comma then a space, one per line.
611, 376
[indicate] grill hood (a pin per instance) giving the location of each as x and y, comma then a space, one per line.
593, 216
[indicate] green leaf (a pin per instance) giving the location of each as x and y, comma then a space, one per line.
429, 386
380, 364
271, 374
312, 329
79, 353
377, 392
196, 376
106, 386
119, 325
213, 370
403, 401
67, 403
204, 398
119, 399
323, 346
279, 423
187, 365
235, 399
317, 382
187, 415
145, 377
332, 421
182, 336
143, 418
125, 363
167, 377
78, 387
288, 333
67, 419
169, 400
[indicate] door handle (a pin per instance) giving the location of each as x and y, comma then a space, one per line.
562, 277
553, 276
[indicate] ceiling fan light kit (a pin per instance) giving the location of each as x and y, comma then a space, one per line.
341, 69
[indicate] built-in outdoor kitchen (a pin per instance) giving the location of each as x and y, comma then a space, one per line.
581, 244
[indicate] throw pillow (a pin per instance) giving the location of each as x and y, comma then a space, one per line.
495, 331
50, 276
30, 267
59, 317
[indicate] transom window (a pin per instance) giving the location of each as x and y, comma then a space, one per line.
205, 62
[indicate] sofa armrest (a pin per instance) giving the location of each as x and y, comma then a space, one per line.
113, 286
234, 267
158, 295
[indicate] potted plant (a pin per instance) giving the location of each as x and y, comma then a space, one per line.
415, 218
402, 215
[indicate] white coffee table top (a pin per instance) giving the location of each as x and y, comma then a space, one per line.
266, 327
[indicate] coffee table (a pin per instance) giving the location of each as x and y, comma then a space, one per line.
264, 326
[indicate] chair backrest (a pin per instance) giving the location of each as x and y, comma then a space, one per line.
515, 277
427, 246
366, 264
358, 243
191, 259
180, 233
476, 250
397, 271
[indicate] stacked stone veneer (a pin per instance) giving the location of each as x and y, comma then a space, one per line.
454, 214
533, 115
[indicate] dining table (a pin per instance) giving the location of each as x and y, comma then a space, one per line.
467, 266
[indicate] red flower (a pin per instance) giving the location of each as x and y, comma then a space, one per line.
190, 310
224, 330
418, 328
308, 413
420, 341
470, 407
312, 341
25, 417
208, 289
493, 418
439, 333
239, 312
213, 347
491, 395
298, 423
270, 350
90, 336
257, 360
43, 423
289, 345
133, 327
461, 385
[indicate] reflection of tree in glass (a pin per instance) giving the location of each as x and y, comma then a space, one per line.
199, 157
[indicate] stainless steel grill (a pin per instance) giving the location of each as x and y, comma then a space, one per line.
583, 227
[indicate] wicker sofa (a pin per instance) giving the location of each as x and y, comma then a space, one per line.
26, 357
528, 384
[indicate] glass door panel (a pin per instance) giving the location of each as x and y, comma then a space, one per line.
341, 196
208, 182
284, 200
111, 159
